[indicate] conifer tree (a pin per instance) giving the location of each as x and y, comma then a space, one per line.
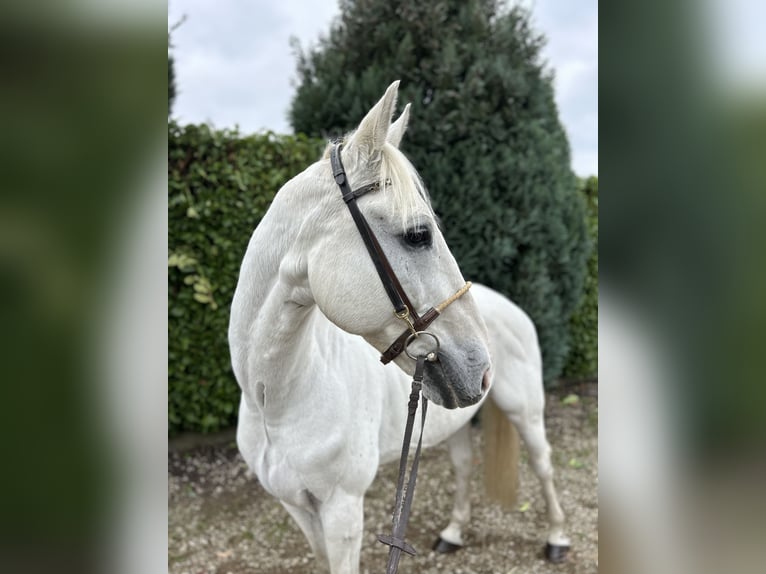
484, 135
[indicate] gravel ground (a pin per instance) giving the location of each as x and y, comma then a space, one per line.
222, 521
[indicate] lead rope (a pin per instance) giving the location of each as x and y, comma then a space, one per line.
403, 503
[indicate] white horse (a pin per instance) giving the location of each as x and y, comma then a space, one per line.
319, 413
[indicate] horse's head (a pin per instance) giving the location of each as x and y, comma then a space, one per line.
345, 284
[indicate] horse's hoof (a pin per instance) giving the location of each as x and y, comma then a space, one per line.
556, 552
443, 547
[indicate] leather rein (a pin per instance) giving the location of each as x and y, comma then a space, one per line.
416, 328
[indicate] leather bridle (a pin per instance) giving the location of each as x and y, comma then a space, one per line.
416, 327
403, 307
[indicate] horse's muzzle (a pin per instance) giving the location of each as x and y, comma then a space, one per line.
457, 382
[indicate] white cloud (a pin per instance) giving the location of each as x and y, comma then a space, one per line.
233, 59
571, 29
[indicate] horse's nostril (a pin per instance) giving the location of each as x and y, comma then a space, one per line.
485, 382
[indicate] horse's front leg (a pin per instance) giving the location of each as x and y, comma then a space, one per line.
308, 519
342, 523
461, 454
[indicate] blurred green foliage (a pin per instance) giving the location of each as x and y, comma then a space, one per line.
82, 115
219, 186
583, 327
171, 80
485, 136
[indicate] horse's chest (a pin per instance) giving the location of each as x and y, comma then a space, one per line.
291, 458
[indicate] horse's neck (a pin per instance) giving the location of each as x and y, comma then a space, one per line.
268, 323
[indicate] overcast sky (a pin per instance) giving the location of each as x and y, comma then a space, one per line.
234, 65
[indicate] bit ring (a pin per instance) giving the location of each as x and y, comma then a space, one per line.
431, 355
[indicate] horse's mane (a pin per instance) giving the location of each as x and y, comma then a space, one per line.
409, 197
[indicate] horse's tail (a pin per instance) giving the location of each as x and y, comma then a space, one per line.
501, 455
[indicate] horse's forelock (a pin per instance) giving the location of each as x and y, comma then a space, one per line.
408, 196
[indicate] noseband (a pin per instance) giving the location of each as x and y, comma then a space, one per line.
403, 307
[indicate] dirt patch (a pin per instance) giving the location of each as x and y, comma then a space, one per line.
222, 521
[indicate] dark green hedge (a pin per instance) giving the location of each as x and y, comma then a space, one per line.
219, 186
583, 328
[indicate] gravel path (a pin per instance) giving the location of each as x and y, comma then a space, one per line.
221, 520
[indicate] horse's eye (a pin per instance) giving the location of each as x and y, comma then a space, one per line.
418, 237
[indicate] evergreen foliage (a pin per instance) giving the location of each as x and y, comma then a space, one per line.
583, 356
219, 186
484, 134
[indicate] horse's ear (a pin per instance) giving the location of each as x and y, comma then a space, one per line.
397, 129
371, 134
